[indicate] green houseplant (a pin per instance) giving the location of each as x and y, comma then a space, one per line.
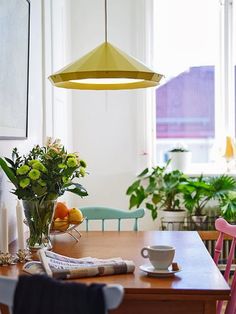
158, 188
178, 150
199, 191
180, 157
39, 178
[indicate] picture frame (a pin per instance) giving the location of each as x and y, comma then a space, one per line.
14, 68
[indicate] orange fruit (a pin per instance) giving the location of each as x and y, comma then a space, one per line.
60, 224
61, 210
75, 216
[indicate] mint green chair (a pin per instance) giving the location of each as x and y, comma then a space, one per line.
107, 213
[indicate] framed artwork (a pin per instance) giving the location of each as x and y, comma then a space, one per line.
14, 68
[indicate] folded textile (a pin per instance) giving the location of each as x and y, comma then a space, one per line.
40, 294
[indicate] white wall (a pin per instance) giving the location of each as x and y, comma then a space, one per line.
109, 126
35, 111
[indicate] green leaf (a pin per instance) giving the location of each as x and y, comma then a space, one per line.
154, 214
51, 196
189, 203
177, 203
140, 194
133, 201
133, 187
78, 189
145, 171
152, 187
39, 190
223, 184
156, 198
150, 206
69, 171
9, 173
228, 207
10, 161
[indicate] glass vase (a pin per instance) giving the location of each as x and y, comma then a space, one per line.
39, 215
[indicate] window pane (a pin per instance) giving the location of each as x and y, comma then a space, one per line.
186, 52
185, 105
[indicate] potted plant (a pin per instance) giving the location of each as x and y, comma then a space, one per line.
160, 190
180, 158
199, 191
39, 178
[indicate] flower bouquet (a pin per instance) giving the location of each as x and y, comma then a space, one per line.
39, 178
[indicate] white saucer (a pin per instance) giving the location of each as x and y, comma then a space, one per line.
151, 271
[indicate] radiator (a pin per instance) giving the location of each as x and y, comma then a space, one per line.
210, 245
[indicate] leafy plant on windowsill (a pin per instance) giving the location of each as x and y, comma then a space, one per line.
178, 150
199, 191
159, 188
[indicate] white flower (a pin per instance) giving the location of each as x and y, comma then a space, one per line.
48, 141
51, 141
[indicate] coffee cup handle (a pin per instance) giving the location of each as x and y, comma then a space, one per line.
143, 252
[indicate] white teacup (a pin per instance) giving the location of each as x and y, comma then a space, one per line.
160, 256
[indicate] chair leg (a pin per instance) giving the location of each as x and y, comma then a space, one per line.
136, 224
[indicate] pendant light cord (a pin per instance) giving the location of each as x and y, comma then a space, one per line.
106, 21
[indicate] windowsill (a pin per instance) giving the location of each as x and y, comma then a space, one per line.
210, 169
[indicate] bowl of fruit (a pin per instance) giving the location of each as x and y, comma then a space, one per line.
65, 219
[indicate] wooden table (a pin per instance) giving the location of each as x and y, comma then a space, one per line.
194, 290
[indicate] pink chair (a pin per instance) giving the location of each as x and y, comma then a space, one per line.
226, 229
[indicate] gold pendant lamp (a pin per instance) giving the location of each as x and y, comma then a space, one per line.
105, 68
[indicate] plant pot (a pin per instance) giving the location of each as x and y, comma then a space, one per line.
39, 216
173, 220
180, 160
200, 222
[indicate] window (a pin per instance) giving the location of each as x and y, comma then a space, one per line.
195, 104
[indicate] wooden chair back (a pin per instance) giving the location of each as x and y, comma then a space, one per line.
225, 229
107, 213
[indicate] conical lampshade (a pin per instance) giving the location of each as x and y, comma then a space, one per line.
104, 68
